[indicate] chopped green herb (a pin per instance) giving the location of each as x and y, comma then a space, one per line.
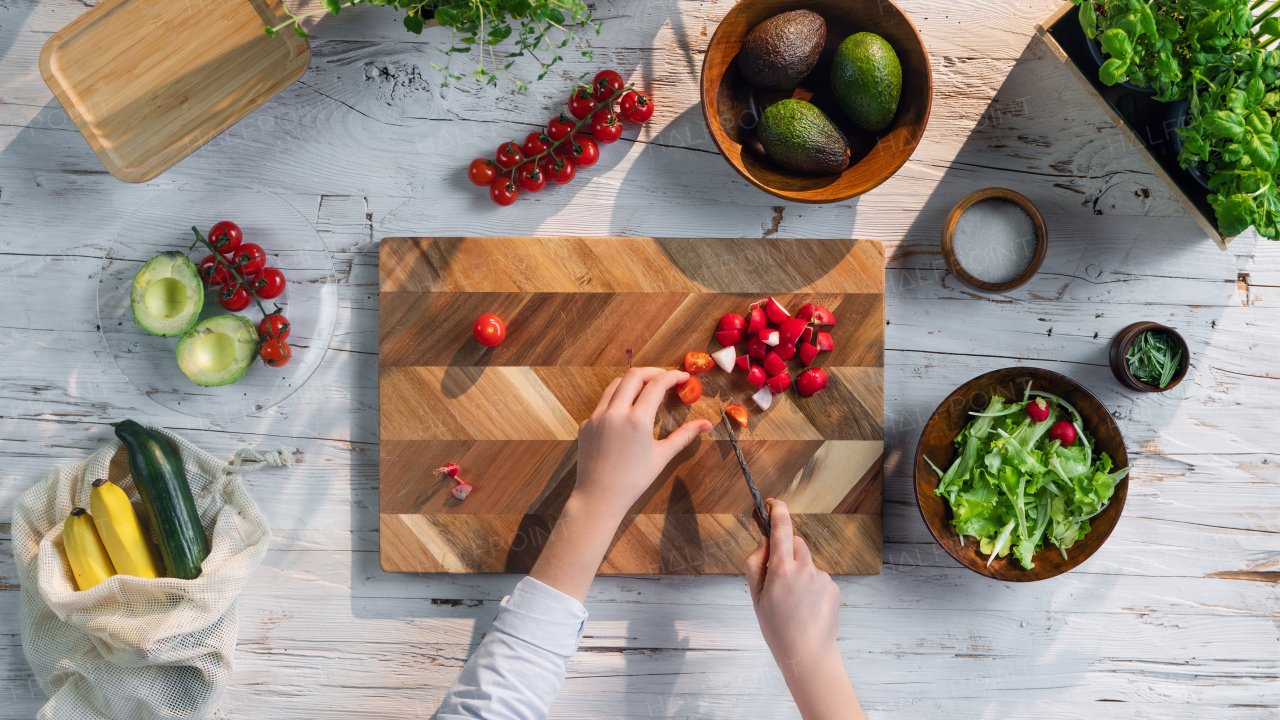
1153, 358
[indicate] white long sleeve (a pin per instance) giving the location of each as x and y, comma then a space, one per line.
518, 668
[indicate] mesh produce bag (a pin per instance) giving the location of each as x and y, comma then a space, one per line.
136, 648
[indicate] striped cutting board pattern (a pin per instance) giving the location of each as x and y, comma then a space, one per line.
574, 307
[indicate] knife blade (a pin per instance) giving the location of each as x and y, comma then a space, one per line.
760, 514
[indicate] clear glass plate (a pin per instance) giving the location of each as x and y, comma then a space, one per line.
310, 299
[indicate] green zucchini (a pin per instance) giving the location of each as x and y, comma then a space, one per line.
162, 483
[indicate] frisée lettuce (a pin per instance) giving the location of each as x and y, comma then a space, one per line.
1013, 488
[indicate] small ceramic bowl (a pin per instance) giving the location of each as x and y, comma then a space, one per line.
1120, 349
949, 228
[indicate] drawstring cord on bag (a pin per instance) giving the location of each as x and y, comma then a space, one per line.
271, 458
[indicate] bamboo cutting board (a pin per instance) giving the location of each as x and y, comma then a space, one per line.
147, 82
573, 307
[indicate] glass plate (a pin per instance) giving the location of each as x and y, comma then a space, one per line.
310, 299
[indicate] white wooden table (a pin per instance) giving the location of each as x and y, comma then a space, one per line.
1176, 617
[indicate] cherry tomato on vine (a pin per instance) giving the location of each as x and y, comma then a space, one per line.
531, 177
560, 127
558, 169
585, 152
234, 298
605, 84
509, 156
213, 272
226, 236
489, 330
635, 106
276, 353
273, 325
249, 260
269, 284
504, 191
534, 143
482, 172
580, 103
605, 127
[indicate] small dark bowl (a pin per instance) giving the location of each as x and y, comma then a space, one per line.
1120, 348
948, 236
937, 442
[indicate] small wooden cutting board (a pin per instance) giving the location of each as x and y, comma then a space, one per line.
573, 307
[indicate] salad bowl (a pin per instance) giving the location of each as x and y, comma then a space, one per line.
937, 446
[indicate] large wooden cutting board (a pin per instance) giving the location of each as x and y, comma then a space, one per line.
573, 307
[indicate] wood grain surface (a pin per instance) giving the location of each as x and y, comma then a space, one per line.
577, 311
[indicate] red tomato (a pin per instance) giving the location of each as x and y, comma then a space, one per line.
689, 390
605, 127
234, 298
605, 84
249, 260
585, 152
737, 412
489, 330
508, 156
504, 191
269, 284
213, 272
560, 127
580, 103
273, 324
226, 236
531, 177
534, 143
559, 170
635, 106
276, 353
482, 172
698, 362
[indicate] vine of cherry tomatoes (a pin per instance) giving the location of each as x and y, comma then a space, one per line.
554, 153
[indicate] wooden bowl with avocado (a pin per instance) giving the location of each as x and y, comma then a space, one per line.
808, 170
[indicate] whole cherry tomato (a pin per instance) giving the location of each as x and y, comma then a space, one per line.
482, 172
558, 169
560, 127
635, 106
213, 272
531, 177
580, 103
276, 353
269, 283
690, 390
504, 191
275, 325
226, 236
489, 330
605, 84
585, 152
249, 260
605, 127
234, 298
509, 155
534, 143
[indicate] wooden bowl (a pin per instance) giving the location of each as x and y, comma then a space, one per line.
949, 419
1120, 348
948, 234
731, 106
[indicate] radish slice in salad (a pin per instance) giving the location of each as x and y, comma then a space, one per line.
763, 398
724, 358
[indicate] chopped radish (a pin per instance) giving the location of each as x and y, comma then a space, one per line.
770, 337
790, 329
811, 381
780, 383
807, 353
737, 412
729, 338
763, 397
785, 351
1064, 432
732, 321
724, 358
824, 341
774, 365
756, 348
757, 321
807, 335
462, 488
1038, 410
756, 376
775, 312
743, 362
816, 314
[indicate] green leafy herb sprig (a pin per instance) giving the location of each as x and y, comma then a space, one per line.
1153, 358
539, 29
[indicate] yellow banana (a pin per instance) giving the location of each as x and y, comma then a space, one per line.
117, 523
89, 560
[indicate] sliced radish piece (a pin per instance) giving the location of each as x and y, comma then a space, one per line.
807, 335
811, 381
757, 321
763, 397
790, 329
756, 376
807, 353
724, 357
729, 338
824, 341
780, 383
774, 365
775, 312
732, 321
785, 351
756, 348
814, 313
770, 337
743, 362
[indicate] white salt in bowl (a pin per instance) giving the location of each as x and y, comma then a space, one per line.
994, 240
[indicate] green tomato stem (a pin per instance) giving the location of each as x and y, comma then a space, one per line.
240, 282
511, 171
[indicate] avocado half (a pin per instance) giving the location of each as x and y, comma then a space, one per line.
167, 295
218, 351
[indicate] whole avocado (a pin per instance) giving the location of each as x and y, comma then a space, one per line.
797, 136
780, 51
867, 80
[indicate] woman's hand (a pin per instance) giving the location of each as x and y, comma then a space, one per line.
798, 607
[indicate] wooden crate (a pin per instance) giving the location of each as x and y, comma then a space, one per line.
1146, 124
